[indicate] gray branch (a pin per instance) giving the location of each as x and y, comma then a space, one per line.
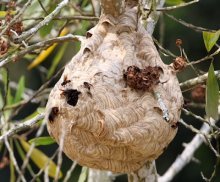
21, 127
46, 20
186, 156
195, 81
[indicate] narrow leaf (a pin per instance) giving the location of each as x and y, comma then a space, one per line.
210, 39
41, 160
46, 29
174, 2
4, 13
1, 100
12, 168
57, 59
83, 175
42, 141
22, 155
212, 94
20, 89
45, 53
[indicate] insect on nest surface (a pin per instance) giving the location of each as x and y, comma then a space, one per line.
113, 96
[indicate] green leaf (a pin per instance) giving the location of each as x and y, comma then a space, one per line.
41, 110
20, 90
12, 168
4, 74
41, 160
4, 13
83, 175
22, 155
1, 101
9, 97
212, 94
42, 141
210, 39
174, 2
46, 29
57, 59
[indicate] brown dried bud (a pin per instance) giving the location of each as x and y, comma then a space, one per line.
198, 94
11, 5
17, 27
4, 46
4, 162
8, 17
179, 63
179, 42
142, 79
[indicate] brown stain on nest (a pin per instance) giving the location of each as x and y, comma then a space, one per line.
112, 127
142, 79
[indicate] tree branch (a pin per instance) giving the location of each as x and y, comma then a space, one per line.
46, 20
195, 81
175, 7
16, 17
21, 127
38, 45
186, 156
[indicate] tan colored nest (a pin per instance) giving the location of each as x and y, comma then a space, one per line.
105, 122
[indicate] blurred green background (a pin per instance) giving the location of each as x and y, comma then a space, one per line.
205, 14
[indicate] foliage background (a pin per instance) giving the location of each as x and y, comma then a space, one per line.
204, 14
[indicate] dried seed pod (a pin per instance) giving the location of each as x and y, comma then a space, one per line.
118, 128
4, 46
198, 94
179, 42
179, 63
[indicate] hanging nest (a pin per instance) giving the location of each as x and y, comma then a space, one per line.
116, 106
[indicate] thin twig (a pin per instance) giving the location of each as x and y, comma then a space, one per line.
42, 169
174, 7
192, 128
205, 58
11, 152
46, 20
75, 17
189, 84
188, 25
28, 155
38, 45
22, 126
69, 172
42, 6
166, 51
186, 156
200, 119
45, 85
16, 17
60, 159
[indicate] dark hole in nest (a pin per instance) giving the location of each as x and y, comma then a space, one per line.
65, 81
53, 113
72, 96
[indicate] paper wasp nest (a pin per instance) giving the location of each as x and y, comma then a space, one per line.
105, 105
